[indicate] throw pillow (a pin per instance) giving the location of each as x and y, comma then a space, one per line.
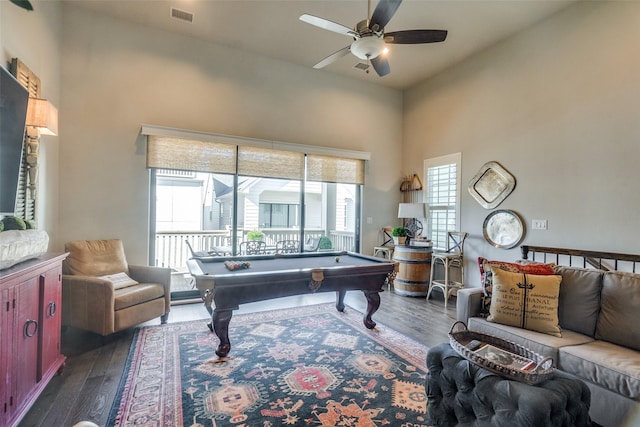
527, 301
486, 277
95, 257
119, 280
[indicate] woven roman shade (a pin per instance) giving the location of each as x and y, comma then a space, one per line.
191, 155
268, 163
335, 169
178, 149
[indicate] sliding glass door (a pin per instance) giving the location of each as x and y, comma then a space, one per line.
196, 212
213, 197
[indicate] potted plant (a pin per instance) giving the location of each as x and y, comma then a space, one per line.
399, 235
255, 235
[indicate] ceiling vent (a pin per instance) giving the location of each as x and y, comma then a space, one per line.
182, 15
361, 66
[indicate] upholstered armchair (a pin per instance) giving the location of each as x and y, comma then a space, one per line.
102, 293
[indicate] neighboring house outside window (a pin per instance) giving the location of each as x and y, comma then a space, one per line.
278, 215
442, 175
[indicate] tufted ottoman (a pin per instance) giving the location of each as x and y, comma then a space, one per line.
461, 393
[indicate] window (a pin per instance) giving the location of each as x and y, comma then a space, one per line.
278, 215
443, 197
210, 190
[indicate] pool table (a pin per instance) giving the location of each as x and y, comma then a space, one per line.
274, 276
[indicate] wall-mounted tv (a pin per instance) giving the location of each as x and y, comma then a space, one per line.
13, 115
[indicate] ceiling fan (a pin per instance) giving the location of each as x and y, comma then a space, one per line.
369, 36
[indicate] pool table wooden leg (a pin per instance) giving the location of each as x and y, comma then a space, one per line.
221, 319
373, 303
340, 300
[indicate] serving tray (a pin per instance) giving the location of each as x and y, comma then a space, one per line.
502, 357
491, 185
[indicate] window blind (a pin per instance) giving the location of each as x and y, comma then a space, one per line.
169, 148
267, 163
335, 169
190, 155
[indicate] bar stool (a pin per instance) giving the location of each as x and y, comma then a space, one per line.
386, 249
452, 258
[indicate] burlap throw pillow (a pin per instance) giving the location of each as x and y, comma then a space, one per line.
527, 301
487, 278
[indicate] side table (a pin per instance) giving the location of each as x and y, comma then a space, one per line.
413, 271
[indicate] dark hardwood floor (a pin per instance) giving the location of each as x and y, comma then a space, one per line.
86, 388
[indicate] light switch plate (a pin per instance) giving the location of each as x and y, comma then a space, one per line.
539, 224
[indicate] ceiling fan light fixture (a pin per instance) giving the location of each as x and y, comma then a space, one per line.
368, 47
369, 37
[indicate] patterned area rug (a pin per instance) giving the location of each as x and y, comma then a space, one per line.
307, 366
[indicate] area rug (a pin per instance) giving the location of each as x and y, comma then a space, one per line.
306, 366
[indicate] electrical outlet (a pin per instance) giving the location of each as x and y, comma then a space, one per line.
369, 220
539, 224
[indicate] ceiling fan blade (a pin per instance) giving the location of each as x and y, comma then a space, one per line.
415, 36
328, 25
25, 4
383, 14
333, 57
381, 65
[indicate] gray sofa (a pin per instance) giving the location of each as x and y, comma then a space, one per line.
599, 314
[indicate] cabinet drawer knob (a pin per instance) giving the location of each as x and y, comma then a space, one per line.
30, 328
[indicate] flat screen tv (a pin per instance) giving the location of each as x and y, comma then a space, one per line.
13, 115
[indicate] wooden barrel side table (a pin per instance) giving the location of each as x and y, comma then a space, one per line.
413, 271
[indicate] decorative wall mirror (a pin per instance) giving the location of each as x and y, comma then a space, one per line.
503, 229
491, 185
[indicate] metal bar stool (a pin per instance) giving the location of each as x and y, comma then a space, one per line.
452, 258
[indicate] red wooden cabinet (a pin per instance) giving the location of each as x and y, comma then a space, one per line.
49, 357
30, 322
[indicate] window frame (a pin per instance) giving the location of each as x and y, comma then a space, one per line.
432, 163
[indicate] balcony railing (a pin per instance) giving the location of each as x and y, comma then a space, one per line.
172, 251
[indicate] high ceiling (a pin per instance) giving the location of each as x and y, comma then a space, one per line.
272, 28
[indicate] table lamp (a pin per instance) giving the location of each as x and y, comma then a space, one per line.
412, 211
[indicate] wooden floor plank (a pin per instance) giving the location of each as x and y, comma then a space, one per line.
65, 390
111, 381
88, 385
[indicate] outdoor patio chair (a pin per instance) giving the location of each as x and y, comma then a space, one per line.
287, 247
198, 254
253, 247
315, 244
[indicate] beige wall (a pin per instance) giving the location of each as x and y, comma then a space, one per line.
35, 38
116, 76
559, 107
556, 105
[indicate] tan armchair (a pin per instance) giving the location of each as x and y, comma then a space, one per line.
98, 297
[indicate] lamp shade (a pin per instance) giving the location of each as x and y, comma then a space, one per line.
412, 210
42, 115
